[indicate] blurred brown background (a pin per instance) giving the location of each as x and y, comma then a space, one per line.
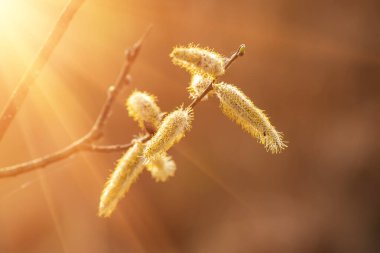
314, 66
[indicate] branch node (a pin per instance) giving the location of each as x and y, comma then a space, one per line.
111, 90
128, 79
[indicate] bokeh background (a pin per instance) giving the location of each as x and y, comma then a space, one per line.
313, 66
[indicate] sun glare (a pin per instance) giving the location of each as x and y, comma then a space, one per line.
9, 10
23, 26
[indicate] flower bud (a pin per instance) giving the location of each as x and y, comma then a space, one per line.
238, 107
199, 60
198, 84
171, 130
126, 172
142, 108
162, 168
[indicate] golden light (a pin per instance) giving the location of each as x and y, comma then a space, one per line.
10, 14
20, 28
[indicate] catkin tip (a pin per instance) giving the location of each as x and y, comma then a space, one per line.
162, 168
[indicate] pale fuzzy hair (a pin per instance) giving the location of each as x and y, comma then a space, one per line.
171, 131
162, 168
127, 170
197, 85
238, 107
199, 60
142, 107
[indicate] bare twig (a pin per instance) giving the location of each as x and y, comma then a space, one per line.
63, 154
115, 147
86, 143
21, 91
113, 91
239, 52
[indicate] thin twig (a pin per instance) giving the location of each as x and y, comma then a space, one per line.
86, 143
239, 52
62, 155
115, 147
21, 91
114, 90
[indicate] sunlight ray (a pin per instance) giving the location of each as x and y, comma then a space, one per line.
214, 178
128, 228
44, 188
51, 209
23, 27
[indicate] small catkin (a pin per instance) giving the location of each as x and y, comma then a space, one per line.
126, 172
162, 168
142, 108
197, 85
238, 107
171, 130
199, 60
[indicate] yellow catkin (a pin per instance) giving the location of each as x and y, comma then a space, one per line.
199, 60
162, 168
126, 172
142, 108
197, 85
238, 107
171, 130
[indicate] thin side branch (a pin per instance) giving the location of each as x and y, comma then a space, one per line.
64, 154
86, 143
114, 90
21, 91
115, 147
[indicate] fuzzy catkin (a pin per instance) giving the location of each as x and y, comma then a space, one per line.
199, 60
162, 168
171, 130
142, 108
238, 107
126, 172
197, 85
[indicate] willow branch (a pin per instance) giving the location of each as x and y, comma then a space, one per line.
86, 143
239, 52
21, 91
62, 155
